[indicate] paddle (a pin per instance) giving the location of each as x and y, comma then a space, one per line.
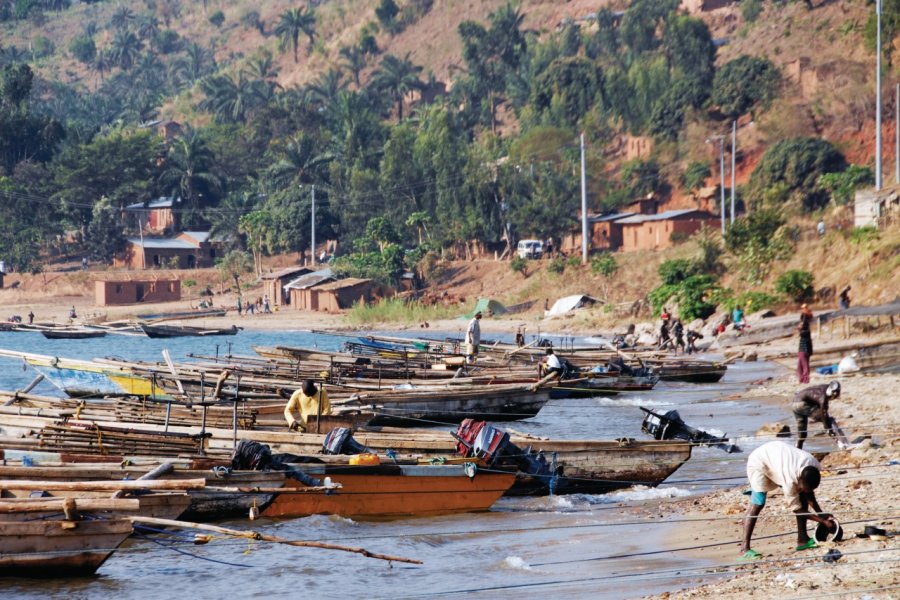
255, 535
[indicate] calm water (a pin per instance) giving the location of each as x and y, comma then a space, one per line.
527, 547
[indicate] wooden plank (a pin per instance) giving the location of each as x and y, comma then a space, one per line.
130, 484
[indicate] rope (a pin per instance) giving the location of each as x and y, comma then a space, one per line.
170, 546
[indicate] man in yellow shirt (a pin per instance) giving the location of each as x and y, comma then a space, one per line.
309, 400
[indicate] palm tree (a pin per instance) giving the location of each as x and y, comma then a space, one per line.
326, 88
103, 62
122, 17
354, 61
200, 61
59, 5
398, 78
232, 99
420, 221
293, 22
262, 68
148, 26
224, 218
188, 172
300, 163
126, 47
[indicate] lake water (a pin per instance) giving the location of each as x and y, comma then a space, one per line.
527, 547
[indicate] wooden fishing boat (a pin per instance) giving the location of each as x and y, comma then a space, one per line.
59, 548
78, 333
170, 331
187, 314
393, 491
78, 377
360, 491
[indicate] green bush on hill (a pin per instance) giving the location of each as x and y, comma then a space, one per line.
796, 285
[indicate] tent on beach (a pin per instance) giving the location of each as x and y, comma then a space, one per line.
487, 307
570, 303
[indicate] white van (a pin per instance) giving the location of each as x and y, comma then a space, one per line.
530, 249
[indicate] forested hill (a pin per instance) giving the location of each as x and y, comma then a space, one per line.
424, 125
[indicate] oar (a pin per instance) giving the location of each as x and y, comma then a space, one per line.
255, 535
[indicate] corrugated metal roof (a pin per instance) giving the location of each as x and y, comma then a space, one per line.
199, 236
341, 284
161, 202
287, 272
311, 279
163, 243
663, 216
612, 217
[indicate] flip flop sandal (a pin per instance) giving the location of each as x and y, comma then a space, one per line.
750, 555
811, 543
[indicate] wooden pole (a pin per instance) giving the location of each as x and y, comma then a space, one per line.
163, 469
16, 505
128, 484
255, 535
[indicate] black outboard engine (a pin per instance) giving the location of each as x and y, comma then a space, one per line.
258, 457
492, 445
340, 441
670, 426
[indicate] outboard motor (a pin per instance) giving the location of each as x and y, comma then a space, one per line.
492, 445
670, 426
340, 441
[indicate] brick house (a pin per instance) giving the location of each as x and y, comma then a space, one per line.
301, 291
133, 291
187, 250
156, 216
274, 283
654, 232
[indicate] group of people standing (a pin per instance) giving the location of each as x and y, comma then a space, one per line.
249, 307
672, 335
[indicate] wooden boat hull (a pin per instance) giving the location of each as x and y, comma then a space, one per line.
72, 335
393, 491
58, 548
170, 331
85, 378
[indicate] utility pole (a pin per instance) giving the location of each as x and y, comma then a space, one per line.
722, 177
584, 223
897, 135
313, 222
733, 151
878, 97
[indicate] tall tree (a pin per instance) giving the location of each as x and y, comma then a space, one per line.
354, 62
189, 173
126, 48
397, 77
491, 54
293, 22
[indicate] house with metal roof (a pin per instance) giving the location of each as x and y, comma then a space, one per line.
274, 283
655, 231
187, 250
156, 216
301, 291
343, 294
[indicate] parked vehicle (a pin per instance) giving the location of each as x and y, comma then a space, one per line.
530, 249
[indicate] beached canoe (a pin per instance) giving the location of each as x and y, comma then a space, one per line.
72, 334
170, 331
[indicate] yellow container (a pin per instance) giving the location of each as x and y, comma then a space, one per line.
365, 459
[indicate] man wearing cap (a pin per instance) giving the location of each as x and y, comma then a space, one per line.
473, 337
777, 465
811, 404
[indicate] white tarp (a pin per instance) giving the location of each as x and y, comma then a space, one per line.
569, 303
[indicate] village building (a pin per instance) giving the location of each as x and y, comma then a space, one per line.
133, 291
187, 250
301, 291
654, 232
875, 208
156, 217
343, 294
274, 283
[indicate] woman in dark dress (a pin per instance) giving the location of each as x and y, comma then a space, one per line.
805, 350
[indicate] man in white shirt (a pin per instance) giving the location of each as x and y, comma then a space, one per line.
473, 338
552, 364
778, 465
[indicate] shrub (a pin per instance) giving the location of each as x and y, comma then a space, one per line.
750, 10
842, 185
694, 176
217, 18
679, 237
557, 265
42, 47
676, 270
743, 84
796, 285
519, 265
605, 265
573, 261
82, 47
860, 235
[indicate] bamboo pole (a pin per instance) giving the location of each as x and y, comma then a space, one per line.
255, 535
129, 484
16, 505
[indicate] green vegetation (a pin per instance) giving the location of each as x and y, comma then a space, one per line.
397, 310
790, 172
557, 265
862, 235
796, 285
519, 265
682, 282
843, 184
